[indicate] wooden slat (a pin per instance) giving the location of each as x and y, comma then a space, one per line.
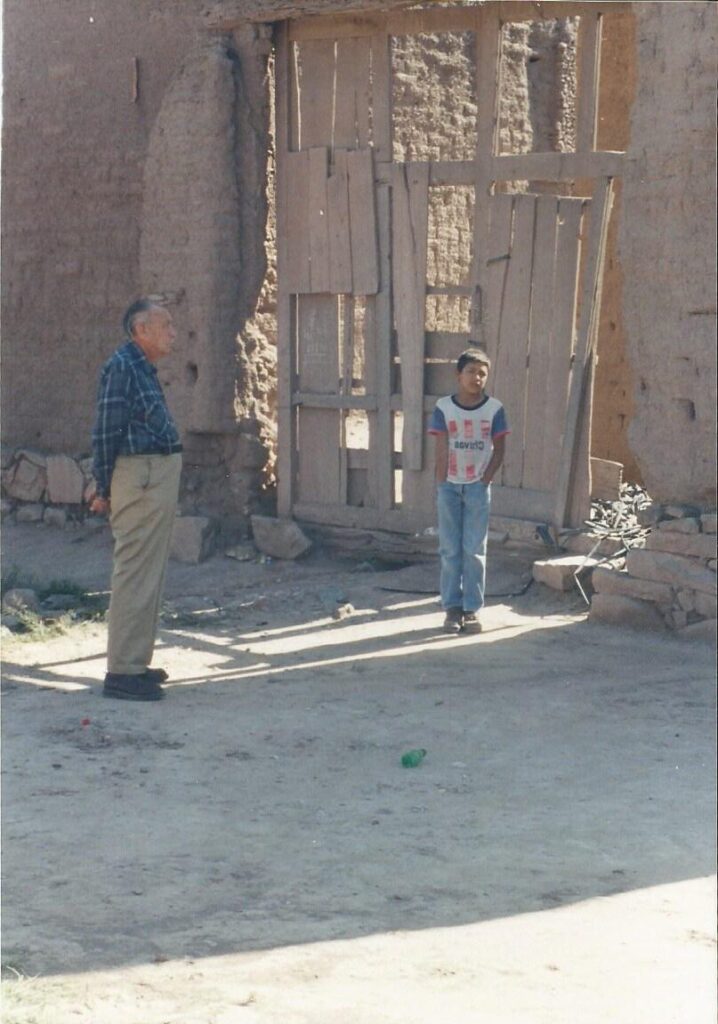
440, 378
318, 221
351, 114
286, 363
340, 257
381, 96
570, 212
488, 68
542, 307
556, 166
590, 306
362, 219
579, 507
509, 378
380, 423
316, 94
294, 192
318, 429
410, 211
540, 10
314, 400
589, 65
445, 345
441, 172
496, 257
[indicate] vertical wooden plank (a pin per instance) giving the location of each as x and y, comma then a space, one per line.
316, 93
286, 362
510, 374
488, 84
568, 228
381, 96
319, 429
362, 221
580, 493
351, 114
294, 220
340, 257
540, 340
497, 255
590, 307
318, 221
378, 356
589, 56
409, 229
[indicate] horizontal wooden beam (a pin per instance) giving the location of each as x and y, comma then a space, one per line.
557, 166
312, 400
441, 172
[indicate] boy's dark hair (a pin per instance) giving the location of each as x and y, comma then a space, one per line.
474, 354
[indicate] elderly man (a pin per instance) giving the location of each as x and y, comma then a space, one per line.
137, 465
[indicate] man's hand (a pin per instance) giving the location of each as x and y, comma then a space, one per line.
100, 506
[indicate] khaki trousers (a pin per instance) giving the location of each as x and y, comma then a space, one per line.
143, 502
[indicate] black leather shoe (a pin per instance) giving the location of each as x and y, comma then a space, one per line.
131, 687
157, 675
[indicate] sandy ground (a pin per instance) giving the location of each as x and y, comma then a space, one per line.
250, 851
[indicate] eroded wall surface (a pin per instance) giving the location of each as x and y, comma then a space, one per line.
83, 85
667, 248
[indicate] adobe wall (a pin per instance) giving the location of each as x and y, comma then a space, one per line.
74, 147
667, 248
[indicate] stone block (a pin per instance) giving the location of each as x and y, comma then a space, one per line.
20, 599
680, 525
679, 572
558, 573
7, 454
55, 517
706, 631
65, 482
706, 605
708, 522
698, 545
192, 539
611, 581
625, 611
279, 538
31, 513
679, 618
6, 507
686, 600
25, 480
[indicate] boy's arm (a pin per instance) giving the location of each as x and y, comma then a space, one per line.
441, 457
496, 459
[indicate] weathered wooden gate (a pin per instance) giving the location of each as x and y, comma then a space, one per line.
358, 371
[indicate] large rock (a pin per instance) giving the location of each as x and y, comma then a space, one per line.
20, 599
65, 482
680, 525
625, 611
26, 480
698, 545
663, 567
558, 573
706, 630
280, 538
613, 581
706, 605
192, 539
708, 522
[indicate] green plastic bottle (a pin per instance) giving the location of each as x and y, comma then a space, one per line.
413, 758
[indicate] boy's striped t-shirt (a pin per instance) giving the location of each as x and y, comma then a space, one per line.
472, 432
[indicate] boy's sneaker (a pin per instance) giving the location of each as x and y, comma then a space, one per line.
472, 623
452, 622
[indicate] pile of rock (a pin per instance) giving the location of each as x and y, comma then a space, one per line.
45, 488
668, 582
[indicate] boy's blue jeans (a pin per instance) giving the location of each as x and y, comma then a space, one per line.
463, 528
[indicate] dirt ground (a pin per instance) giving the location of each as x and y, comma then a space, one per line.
251, 851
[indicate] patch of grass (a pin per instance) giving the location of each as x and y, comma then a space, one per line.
15, 578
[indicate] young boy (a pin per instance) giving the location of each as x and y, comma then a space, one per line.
470, 429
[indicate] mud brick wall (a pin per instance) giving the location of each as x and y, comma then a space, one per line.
83, 84
667, 248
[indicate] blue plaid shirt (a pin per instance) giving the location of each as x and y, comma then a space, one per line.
132, 414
